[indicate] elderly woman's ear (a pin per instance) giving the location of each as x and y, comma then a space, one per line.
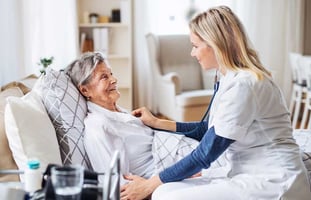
84, 91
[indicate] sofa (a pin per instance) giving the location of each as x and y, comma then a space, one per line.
179, 78
41, 118
17, 89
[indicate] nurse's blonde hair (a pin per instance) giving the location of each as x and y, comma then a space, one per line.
221, 29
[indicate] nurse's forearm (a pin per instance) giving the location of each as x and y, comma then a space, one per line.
209, 149
194, 130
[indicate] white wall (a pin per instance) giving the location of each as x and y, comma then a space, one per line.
34, 29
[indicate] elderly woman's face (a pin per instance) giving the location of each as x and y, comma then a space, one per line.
102, 89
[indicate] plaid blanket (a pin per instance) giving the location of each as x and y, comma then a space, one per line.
168, 148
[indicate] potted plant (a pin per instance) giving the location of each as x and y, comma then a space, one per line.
45, 62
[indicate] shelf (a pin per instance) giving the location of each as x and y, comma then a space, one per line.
117, 56
113, 38
112, 25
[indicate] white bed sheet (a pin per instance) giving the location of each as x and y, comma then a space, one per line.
303, 139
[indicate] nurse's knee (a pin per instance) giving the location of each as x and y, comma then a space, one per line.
168, 191
160, 192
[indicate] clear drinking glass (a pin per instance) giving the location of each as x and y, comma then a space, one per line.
67, 182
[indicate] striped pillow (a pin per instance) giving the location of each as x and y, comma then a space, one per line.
67, 109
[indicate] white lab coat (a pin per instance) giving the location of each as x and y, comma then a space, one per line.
264, 162
143, 151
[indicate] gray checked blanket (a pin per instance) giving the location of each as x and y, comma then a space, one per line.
168, 148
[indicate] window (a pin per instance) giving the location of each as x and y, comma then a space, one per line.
172, 17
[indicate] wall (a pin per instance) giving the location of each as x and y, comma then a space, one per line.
307, 30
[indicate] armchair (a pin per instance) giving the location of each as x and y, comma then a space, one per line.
183, 90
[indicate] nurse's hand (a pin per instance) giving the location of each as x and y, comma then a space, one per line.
145, 115
139, 188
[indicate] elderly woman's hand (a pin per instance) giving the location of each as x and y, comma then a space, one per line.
145, 115
139, 188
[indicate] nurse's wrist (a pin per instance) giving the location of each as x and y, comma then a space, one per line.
153, 183
165, 124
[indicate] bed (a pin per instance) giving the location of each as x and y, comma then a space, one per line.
303, 139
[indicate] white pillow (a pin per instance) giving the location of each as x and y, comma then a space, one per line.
30, 132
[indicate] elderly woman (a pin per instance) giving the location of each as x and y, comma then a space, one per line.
108, 127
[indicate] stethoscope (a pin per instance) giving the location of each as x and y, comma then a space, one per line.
206, 115
216, 87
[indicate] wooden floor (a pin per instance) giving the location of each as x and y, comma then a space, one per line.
299, 121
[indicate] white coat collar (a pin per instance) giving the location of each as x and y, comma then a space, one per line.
227, 78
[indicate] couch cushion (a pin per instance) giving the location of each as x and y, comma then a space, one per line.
17, 84
30, 132
174, 56
67, 110
24, 84
29, 82
7, 161
194, 98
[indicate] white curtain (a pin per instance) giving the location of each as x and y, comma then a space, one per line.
34, 29
294, 40
274, 27
11, 45
143, 93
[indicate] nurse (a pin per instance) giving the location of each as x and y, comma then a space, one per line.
249, 130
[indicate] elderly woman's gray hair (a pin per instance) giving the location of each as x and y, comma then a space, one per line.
80, 71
